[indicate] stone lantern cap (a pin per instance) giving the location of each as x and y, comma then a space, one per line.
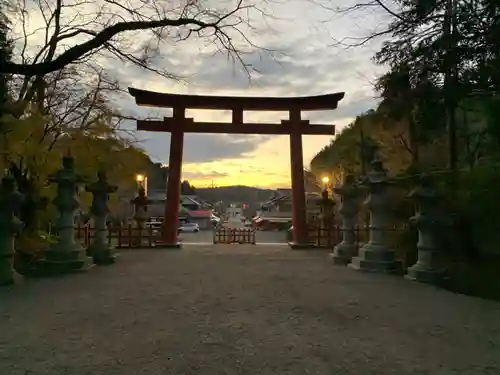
424, 189
8, 190
377, 175
347, 187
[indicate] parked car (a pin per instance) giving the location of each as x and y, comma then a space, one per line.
189, 227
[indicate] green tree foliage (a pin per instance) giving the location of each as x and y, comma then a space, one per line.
441, 89
439, 112
75, 115
441, 49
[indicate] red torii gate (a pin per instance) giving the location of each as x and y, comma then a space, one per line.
178, 124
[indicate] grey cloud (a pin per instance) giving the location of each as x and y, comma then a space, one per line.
302, 67
203, 148
198, 148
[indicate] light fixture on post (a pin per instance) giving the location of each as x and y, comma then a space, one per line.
325, 180
142, 181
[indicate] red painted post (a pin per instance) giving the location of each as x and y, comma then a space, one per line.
171, 221
298, 189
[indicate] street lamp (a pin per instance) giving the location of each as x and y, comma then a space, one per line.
142, 181
325, 180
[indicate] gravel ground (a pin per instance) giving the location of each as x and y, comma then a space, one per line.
241, 310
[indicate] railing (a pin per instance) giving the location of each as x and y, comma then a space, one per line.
323, 236
398, 235
122, 235
234, 235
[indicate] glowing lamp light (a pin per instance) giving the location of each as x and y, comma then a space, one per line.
139, 178
325, 180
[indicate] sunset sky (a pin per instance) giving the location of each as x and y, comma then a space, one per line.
295, 55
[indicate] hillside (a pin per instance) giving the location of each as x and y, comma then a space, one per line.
237, 194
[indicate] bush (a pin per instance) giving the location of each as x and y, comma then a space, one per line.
473, 257
478, 207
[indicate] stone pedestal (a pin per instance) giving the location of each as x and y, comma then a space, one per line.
376, 256
138, 232
6, 259
66, 255
10, 201
347, 248
99, 249
427, 222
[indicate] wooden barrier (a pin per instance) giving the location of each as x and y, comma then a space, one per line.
234, 235
122, 236
323, 234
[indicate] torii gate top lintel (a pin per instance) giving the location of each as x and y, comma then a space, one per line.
260, 103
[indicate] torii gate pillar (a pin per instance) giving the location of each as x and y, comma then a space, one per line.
171, 215
297, 175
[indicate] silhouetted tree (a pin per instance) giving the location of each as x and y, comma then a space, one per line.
187, 188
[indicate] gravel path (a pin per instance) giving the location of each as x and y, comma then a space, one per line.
242, 310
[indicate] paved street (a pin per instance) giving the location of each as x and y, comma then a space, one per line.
242, 309
262, 237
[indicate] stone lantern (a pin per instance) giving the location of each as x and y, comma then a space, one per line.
140, 202
10, 225
66, 255
375, 256
427, 220
99, 248
349, 207
327, 206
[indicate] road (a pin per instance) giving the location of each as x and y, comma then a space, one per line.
242, 310
262, 237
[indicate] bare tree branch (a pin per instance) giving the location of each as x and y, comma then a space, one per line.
116, 18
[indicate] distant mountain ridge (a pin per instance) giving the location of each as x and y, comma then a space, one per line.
235, 194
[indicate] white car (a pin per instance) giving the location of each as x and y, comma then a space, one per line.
189, 227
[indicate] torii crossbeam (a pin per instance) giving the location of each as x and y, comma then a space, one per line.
178, 124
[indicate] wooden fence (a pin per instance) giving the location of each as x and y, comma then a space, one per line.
234, 235
399, 237
129, 236
122, 236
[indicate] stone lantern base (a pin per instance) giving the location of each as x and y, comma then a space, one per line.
343, 253
7, 259
61, 259
374, 258
101, 254
300, 246
424, 275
